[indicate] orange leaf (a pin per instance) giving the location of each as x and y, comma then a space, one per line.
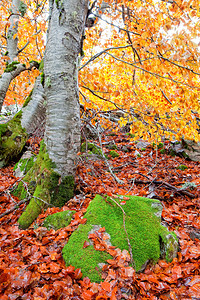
106, 286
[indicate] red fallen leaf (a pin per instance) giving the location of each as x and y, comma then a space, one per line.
83, 221
70, 270
53, 255
106, 286
102, 229
195, 250
195, 290
87, 295
128, 272
163, 263
123, 202
92, 236
2, 231
43, 268
111, 261
77, 215
112, 274
86, 283
113, 297
4, 278
112, 252
54, 268
195, 279
86, 244
78, 274
26, 252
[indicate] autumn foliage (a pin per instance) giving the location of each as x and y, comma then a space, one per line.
140, 58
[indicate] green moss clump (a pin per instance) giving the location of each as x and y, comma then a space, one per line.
22, 8
113, 154
25, 164
41, 66
162, 151
58, 220
145, 233
92, 148
131, 135
11, 67
42, 78
182, 167
111, 147
46, 187
12, 139
28, 99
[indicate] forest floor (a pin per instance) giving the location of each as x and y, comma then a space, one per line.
31, 263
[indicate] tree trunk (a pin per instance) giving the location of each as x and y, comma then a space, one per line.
13, 134
62, 135
54, 169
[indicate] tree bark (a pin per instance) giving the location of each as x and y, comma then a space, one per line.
62, 135
54, 169
14, 133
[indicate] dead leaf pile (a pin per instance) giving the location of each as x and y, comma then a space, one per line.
31, 264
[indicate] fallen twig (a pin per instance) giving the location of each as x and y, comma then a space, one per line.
12, 209
177, 190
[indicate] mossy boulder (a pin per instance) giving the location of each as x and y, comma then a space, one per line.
44, 187
113, 154
182, 167
24, 164
91, 148
12, 139
148, 238
58, 220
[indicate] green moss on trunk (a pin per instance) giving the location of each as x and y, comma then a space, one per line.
46, 187
12, 139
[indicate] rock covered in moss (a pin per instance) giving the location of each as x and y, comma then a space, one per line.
113, 154
24, 164
148, 238
12, 139
91, 148
58, 220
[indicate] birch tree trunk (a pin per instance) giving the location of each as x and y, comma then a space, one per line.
14, 68
62, 135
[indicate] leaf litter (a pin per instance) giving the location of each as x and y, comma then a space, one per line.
31, 263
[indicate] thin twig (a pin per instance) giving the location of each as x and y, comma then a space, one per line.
106, 161
14, 208
124, 224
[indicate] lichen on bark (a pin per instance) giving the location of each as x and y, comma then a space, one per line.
45, 186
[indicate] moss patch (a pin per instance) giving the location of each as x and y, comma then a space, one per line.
143, 227
58, 220
12, 139
113, 154
11, 67
91, 148
24, 165
45, 186
182, 167
28, 99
